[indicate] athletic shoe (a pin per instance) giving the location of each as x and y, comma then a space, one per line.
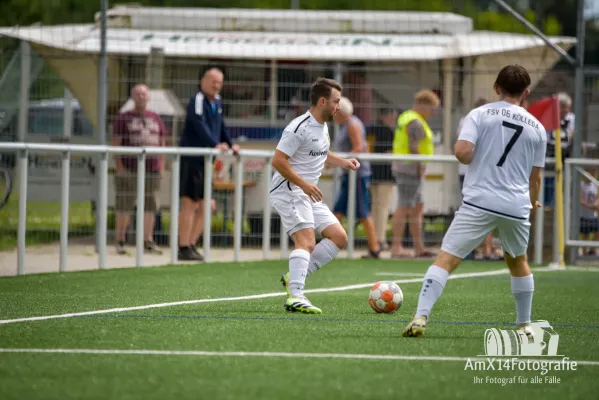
372, 254
187, 254
152, 248
415, 328
301, 304
197, 253
285, 283
120, 248
527, 330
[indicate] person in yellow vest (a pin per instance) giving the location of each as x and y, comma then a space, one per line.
412, 136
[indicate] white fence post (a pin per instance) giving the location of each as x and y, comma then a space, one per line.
140, 210
174, 234
22, 218
238, 222
102, 209
23, 117
64, 210
266, 215
207, 210
351, 212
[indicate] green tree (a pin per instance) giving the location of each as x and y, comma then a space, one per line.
502, 22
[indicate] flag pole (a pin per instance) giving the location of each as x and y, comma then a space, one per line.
559, 191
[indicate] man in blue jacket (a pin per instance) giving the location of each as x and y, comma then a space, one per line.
204, 127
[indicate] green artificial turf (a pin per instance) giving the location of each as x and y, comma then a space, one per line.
469, 306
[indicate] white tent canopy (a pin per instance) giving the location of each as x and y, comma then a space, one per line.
280, 46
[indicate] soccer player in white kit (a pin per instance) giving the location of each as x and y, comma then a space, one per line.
299, 159
504, 147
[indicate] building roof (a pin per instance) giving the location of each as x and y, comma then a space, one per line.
85, 38
264, 20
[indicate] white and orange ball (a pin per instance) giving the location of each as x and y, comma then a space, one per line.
385, 297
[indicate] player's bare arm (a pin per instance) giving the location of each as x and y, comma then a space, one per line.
464, 150
415, 135
535, 187
280, 162
334, 161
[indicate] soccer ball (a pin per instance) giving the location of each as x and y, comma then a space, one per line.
385, 297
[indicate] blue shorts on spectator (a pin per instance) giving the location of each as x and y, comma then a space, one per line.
362, 197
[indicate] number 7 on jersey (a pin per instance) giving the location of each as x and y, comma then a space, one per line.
518, 131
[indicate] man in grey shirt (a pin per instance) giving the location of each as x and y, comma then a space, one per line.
351, 138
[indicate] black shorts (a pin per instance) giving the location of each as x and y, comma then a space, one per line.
191, 180
588, 225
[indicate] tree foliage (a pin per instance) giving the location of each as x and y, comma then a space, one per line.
494, 21
50, 12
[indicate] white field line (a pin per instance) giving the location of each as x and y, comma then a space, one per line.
241, 298
399, 274
192, 353
580, 269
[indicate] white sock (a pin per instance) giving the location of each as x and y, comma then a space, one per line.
298, 269
432, 287
522, 289
323, 253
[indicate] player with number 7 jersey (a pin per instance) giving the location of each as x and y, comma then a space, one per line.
504, 147
508, 143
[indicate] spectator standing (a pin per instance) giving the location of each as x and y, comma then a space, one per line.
382, 177
138, 128
412, 136
567, 124
204, 128
351, 138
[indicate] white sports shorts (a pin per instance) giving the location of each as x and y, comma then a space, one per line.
471, 226
298, 211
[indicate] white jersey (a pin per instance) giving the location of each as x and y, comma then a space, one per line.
508, 142
307, 143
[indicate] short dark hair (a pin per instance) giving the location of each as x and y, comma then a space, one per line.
323, 88
513, 80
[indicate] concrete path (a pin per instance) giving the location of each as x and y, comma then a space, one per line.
82, 256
